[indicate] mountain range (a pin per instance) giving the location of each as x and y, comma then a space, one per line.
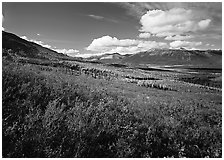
166, 57
13, 45
199, 58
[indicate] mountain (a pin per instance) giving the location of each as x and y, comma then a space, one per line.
109, 57
199, 58
15, 46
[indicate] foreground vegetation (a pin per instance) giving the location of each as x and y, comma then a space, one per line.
52, 114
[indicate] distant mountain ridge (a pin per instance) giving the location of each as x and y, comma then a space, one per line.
164, 57
200, 58
108, 58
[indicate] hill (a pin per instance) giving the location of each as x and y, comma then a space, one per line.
14, 46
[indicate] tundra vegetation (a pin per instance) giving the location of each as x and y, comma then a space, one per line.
83, 109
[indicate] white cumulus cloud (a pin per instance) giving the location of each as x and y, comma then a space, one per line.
171, 22
109, 44
70, 52
178, 37
106, 42
36, 41
145, 35
146, 45
204, 23
24, 37
47, 46
184, 44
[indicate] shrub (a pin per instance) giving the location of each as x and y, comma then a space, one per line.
48, 117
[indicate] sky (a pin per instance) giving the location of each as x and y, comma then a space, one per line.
82, 29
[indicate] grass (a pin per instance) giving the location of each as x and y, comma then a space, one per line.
50, 113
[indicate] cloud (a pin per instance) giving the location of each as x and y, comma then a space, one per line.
70, 52
180, 21
146, 45
178, 37
214, 10
40, 43
199, 20
86, 55
2, 22
102, 18
204, 23
175, 21
95, 16
144, 35
184, 44
107, 44
134, 9
36, 41
47, 46
24, 37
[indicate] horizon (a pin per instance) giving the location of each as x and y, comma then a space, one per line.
89, 29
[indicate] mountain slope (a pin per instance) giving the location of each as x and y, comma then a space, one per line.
108, 58
199, 58
16, 46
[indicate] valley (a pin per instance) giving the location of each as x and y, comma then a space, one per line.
160, 103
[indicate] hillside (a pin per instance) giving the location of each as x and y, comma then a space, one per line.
15, 46
198, 58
